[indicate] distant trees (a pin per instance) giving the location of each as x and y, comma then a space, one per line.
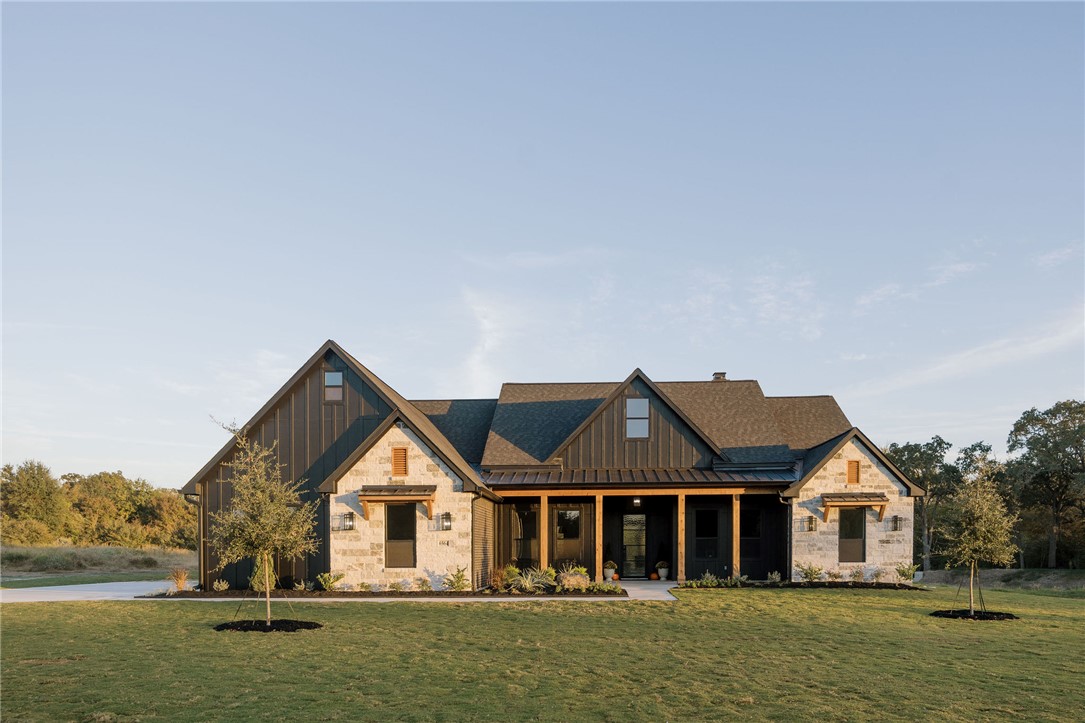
1042, 489
105, 508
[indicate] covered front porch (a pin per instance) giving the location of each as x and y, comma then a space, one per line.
726, 531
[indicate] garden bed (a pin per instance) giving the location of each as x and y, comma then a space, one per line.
814, 584
360, 594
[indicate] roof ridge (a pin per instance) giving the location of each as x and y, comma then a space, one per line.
801, 396
456, 399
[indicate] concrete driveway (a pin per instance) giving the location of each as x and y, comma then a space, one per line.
94, 591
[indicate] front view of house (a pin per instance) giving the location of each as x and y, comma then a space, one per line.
709, 476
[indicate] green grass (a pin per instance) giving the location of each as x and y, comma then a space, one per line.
66, 565
716, 654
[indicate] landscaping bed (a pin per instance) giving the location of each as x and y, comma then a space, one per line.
261, 626
355, 594
724, 583
977, 615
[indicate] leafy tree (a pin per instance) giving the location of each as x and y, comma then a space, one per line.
1053, 442
925, 464
30, 492
980, 528
265, 517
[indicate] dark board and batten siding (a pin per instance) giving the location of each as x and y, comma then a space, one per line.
671, 443
483, 545
312, 439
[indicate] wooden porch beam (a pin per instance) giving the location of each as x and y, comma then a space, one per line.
638, 492
681, 575
544, 531
599, 538
736, 561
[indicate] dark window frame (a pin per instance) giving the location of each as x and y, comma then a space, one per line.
341, 386
396, 509
646, 419
849, 548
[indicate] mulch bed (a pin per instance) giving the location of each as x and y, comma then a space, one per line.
978, 615
357, 594
261, 626
820, 583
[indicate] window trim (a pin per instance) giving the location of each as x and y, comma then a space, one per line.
341, 386
861, 512
646, 419
413, 538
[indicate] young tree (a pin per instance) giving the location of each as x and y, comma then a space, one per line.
265, 517
925, 464
980, 529
1054, 444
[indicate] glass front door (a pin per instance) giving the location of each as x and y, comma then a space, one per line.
633, 545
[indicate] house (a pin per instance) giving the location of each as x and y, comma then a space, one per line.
708, 476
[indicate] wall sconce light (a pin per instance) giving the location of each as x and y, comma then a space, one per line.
446, 520
346, 522
811, 524
636, 501
898, 523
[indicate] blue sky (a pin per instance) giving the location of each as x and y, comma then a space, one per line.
883, 202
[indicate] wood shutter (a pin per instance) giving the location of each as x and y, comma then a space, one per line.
853, 472
399, 461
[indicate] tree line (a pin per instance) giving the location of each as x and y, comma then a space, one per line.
1042, 487
105, 508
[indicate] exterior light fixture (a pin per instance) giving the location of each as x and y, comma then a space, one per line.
636, 501
898, 523
811, 524
446, 520
346, 521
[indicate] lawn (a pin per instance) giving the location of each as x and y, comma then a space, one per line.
779, 653
67, 565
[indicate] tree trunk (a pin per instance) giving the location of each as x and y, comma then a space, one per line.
1053, 540
971, 599
926, 540
267, 586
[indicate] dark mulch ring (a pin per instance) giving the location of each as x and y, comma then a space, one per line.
978, 615
261, 626
356, 594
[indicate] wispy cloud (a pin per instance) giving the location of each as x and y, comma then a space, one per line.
854, 357
878, 295
788, 304
945, 273
994, 354
1057, 256
495, 321
253, 381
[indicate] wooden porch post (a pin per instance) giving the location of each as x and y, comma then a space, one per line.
735, 564
544, 531
681, 538
599, 538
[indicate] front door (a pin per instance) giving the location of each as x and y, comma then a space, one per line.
633, 545
709, 536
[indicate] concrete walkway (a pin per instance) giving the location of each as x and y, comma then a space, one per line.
637, 590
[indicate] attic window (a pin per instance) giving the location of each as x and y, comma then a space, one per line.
636, 418
399, 461
853, 471
333, 386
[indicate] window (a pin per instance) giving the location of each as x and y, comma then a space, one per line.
399, 536
568, 525
636, 418
853, 534
333, 386
706, 534
399, 461
749, 529
853, 471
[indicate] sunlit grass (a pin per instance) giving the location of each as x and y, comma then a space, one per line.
784, 654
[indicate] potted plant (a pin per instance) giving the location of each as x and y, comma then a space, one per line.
610, 569
664, 569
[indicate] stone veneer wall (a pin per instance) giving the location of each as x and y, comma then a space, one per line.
360, 552
884, 548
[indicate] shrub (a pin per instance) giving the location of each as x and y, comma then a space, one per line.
396, 586
57, 560
220, 585
809, 573
834, 575
709, 580
734, 581
906, 571
532, 580
497, 578
327, 580
344, 587
299, 585
457, 581
573, 581
142, 561
423, 584
857, 575
775, 577
877, 573
179, 577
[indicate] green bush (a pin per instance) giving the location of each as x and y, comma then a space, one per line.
56, 560
423, 584
457, 581
142, 561
906, 571
809, 573
327, 580
220, 585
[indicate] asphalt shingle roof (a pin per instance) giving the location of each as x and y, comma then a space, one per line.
464, 422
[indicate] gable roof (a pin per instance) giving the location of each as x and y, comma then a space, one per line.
407, 412
815, 459
807, 421
464, 422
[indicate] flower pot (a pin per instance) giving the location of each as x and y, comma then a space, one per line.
664, 572
608, 573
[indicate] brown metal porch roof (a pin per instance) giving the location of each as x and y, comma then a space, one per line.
646, 477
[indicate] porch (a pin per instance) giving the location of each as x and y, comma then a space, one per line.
725, 531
